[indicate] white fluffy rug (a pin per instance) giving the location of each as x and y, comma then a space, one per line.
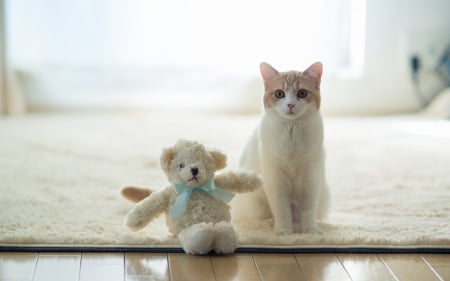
60, 176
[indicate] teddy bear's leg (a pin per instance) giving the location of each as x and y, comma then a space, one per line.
226, 240
198, 238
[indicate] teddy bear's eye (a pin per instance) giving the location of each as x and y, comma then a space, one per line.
181, 165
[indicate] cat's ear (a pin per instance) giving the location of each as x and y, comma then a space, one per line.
315, 72
267, 72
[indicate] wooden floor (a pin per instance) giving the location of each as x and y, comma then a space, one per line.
144, 266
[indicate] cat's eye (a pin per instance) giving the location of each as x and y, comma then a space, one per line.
279, 94
302, 93
181, 166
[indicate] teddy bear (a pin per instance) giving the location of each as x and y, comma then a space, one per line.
196, 202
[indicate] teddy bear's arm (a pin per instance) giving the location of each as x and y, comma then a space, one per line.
148, 209
238, 181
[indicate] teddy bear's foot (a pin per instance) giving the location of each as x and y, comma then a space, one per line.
226, 240
197, 239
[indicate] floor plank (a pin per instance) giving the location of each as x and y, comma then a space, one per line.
443, 272
110, 272
187, 267
17, 266
440, 263
103, 258
146, 266
57, 267
98, 266
273, 266
362, 267
234, 268
322, 267
437, 259
409, 267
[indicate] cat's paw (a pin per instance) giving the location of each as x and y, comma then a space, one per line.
310, 225
284, 230
313, 230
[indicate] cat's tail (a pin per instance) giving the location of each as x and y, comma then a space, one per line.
135, 194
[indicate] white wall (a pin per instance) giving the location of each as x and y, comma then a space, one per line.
395, 30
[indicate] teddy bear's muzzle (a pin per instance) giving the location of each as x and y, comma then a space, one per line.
194, 173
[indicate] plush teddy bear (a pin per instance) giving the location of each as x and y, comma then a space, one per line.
196, 202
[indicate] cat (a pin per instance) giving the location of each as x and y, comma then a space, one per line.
287, 149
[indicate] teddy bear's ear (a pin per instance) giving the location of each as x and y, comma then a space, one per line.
167, 156
220, 159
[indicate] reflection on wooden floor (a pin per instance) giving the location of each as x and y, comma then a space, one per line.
148, 266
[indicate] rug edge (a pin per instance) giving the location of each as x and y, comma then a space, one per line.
247, 249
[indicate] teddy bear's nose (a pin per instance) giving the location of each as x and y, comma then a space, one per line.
194, 171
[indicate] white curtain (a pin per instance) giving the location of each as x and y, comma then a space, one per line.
92, 52
2, 64
11, 99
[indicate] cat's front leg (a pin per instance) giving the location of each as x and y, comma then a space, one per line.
311, 200
309, 222
279, 202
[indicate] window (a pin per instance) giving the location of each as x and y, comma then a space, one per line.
107, 52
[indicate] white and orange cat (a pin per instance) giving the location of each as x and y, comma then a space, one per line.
287, 149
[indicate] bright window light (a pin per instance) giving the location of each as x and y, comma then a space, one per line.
355, 45
90, 50
357, 34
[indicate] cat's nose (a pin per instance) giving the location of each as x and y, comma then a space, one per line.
290, 105
194, 171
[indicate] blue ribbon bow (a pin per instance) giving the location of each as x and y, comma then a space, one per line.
184, 194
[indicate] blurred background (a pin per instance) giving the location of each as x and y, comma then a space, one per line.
379, 56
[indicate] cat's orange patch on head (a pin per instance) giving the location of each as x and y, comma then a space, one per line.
291, 81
